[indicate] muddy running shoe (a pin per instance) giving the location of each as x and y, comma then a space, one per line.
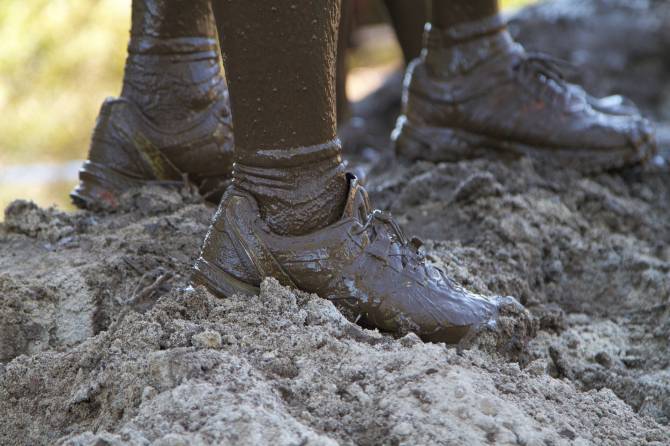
171, 126
475, 92
363, 263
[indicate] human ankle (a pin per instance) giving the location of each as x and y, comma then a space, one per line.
173, 69
172, 79
298, 190
166, 19
460, 48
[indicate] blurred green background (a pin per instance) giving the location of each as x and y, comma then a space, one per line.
58, 60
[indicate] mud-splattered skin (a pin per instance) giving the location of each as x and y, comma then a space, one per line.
474, 92
408, 19
454, 13
280, 59
172, 121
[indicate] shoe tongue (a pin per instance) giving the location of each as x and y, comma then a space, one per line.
358, 204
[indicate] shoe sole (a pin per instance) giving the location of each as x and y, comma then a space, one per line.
218, 282
438, 144
101, 187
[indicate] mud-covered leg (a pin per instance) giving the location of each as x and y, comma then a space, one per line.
343, 36
172, 118
408, 20
446, 14
280, 62
285, 216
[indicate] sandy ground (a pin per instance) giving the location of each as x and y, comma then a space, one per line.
102, 342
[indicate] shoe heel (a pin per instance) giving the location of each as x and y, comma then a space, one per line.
219, 282
434, 144
100, 186
116, 141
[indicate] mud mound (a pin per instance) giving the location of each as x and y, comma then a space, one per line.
589, 255
63, 277
104, 343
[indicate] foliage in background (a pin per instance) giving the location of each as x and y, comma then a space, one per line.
58, 60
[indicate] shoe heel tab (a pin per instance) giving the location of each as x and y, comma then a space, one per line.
357, 198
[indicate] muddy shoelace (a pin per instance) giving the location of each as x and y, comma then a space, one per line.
549, 70
382, 223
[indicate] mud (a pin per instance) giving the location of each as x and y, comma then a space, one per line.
408, 20
365, 264
172, 18
102, 341
448, 14
280, 61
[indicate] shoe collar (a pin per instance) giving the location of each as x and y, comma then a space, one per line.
356, 209
357, 205
458, 50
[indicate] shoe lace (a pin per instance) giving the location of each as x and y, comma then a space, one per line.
549, 70
383, 223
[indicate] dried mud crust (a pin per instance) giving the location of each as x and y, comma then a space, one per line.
103, 343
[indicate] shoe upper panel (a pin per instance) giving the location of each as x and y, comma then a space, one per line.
363, 262
528, 109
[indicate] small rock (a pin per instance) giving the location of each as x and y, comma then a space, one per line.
476, 186
604, 359
537, 367
230, 339
148, 393
402, 429
410, 340
207, 339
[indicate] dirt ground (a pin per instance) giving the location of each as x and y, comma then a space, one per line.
102, 342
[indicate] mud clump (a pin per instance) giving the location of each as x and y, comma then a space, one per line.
587, 254
289, 370
103, 342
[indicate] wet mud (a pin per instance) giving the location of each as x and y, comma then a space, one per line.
173, 116
102, 341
